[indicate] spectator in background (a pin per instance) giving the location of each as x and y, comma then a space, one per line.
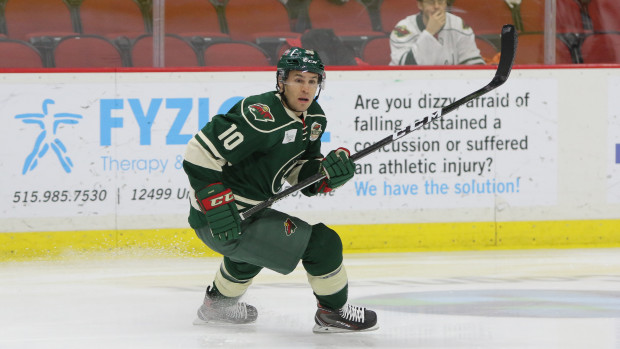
433, 37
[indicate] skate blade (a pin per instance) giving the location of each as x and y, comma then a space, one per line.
200, 322
328, 329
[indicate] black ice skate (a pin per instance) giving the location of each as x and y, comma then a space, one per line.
349, 318
220, 309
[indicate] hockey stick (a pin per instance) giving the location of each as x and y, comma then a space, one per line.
508, 52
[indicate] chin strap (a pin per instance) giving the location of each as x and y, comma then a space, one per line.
318, 94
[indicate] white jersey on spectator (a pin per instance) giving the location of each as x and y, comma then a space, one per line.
455, 43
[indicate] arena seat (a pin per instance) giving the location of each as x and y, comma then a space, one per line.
33, 18
533, 16
392, 11
605, 15
531, 50
601, 48
247, 19
19, 54
177, 52
487, 49
246, 22
234, 54
194, 18
376, 51
86, 51
485, 17
112, 18
570, 17
350, 21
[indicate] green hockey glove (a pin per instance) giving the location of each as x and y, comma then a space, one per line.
218, 204
338, 168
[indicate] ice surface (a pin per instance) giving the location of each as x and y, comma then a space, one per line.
492, 299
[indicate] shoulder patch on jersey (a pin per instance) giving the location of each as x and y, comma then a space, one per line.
261, 112
315, 131
289, 136
401, 31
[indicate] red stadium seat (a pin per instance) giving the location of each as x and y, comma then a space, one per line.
531, 50
605, 15
112, 18
392, 11
601, 48
487, 50
485, 17
86, 51
533, 16
194, 18
247, 22
177, 52
234, 54
377, 51
33, 18
250, 19
350, 20
19, 54
569, 17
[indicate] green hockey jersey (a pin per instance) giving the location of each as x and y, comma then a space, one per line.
253, 149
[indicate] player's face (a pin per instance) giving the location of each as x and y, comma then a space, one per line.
299, 89
430, 7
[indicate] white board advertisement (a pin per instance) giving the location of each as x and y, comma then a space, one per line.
114, 149
501, 147
613, 182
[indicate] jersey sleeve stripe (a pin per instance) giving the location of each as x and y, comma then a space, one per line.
196, 154
209, 145
245, 201
192, 199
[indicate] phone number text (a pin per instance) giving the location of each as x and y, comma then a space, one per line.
35, 196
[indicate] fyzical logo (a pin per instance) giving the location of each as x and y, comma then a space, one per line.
47, 138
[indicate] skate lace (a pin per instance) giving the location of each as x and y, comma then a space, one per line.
237, 311
353, 313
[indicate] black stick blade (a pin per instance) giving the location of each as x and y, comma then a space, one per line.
508, 54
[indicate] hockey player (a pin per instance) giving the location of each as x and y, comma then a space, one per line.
433, 37
242, 158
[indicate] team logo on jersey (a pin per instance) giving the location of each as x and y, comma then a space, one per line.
315, 131
261, 112
289, 227
401, 31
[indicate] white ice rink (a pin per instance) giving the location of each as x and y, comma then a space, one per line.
494, 299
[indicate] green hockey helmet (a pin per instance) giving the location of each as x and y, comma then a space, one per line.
297, 58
